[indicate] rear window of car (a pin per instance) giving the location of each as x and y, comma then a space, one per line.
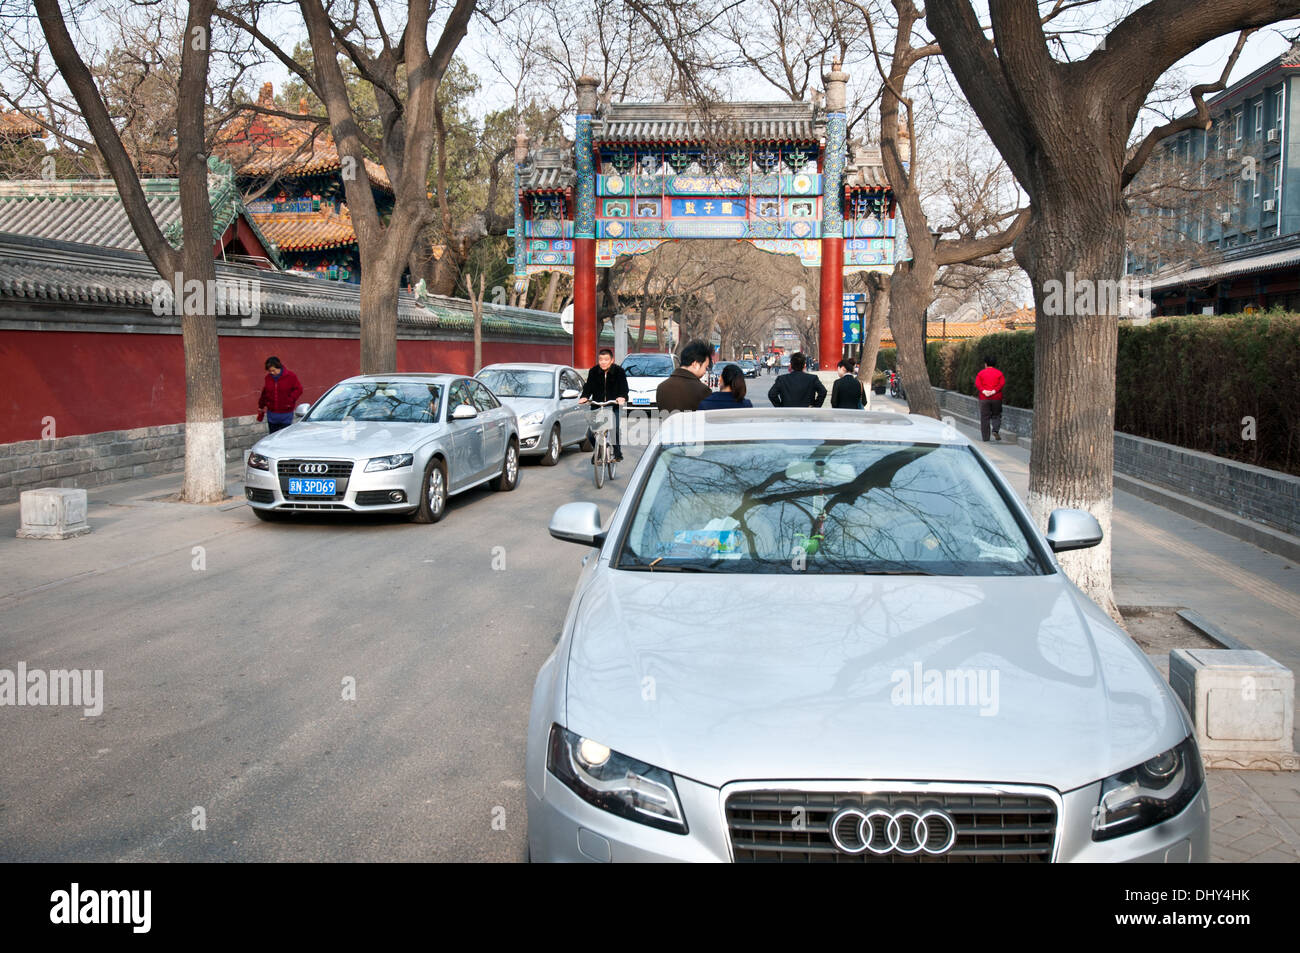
648, 365
824, 507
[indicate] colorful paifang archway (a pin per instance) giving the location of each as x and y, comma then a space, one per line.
775, 175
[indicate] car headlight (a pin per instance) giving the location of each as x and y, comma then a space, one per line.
1149, 793
392, 462
532, 420
614, 782
258, 462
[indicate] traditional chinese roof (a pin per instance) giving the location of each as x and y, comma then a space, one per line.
548, 169
866, 169
1292, 56
90, 211
303, 231
671, 122
15, 125
261, 146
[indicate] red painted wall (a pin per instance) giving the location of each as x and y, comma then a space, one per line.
90, 382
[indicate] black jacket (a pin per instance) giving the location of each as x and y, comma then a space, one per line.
605, 385
847, 393
797, 389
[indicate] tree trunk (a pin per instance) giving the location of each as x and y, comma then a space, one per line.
909, 292
552, 285
1070, 250
878, 285
379, 316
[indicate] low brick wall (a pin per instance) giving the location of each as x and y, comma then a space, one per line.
1265, 496
91, 460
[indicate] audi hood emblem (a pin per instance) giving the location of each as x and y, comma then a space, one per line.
903, 831
313, 468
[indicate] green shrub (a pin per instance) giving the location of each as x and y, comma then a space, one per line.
887, 359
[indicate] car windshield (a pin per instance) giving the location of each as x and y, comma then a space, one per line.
648, 365
824, 507
516, 382
400, 401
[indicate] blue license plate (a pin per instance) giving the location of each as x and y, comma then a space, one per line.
301, 487
640, 400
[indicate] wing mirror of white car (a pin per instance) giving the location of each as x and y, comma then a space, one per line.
1072, 529
578, 523
302, 410
570, 394
464, 412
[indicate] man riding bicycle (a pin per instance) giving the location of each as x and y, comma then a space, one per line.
605, 382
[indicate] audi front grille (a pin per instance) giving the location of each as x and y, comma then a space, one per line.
336, 470
792, 826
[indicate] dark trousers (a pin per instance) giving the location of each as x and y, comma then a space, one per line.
614, 443
272, 426
990, 414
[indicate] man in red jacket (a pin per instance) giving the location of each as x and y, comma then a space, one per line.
988, 388
280, 395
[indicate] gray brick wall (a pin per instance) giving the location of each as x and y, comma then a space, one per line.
91, 460
1255, 493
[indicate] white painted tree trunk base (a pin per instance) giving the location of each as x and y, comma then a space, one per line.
1089, 569
205, 462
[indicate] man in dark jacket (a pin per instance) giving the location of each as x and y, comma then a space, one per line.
798, 388
685, 387
847, 394
280, 395
606, 381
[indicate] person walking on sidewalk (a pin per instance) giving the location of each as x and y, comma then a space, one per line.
988, 388
798, 388
280, 395
685, 387
607, 381
847, 392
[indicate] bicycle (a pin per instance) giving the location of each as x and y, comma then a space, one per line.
602, 455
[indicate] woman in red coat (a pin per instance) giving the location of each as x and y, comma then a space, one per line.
280, 395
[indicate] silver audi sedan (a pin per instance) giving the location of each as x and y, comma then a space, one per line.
545, 399
920, 681
386, 443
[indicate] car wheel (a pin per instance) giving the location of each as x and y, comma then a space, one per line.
266, 516
553, 450
509, 478
433, 494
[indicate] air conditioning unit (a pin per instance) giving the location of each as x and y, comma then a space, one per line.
1225, 217
1269, 205
1273, 134
1232, 152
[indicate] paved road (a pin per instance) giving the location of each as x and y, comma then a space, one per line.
224, 683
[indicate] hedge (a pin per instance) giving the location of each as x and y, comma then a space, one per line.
1189, 381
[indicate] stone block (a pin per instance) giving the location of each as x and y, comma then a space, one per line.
1242, 704
53, 513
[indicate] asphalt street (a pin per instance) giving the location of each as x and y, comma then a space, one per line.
225, 644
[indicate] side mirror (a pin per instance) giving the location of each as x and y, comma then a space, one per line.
464, 412
578, 523
302, 410
1072, 529
570, 394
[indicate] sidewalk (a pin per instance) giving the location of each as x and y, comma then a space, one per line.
1160, 558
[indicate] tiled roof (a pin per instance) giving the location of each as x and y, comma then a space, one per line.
300, 231
14, 125
669, 122
41, 271
90, 211
260, 146
866, 169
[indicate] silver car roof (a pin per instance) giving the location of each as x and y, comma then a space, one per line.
801, 424
417, 377
525, 366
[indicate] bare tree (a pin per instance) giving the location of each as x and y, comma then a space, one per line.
205, 457
1064, 128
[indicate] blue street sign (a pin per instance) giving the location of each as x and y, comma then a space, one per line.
852, 323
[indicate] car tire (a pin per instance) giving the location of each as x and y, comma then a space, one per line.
433, 494
553, 449
509, 478
266, 516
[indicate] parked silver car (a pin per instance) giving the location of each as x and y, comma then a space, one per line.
386, 443
545, 399
923, 682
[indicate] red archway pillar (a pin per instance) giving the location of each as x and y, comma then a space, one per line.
831, 312
584, 303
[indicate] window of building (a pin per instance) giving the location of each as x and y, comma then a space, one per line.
1275, 176
1259, 118
1278, 99
1239, 124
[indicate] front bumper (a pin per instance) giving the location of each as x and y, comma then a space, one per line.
533, 443
563, 827
264, 490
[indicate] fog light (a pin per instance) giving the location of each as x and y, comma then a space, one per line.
248, 493
397, 496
